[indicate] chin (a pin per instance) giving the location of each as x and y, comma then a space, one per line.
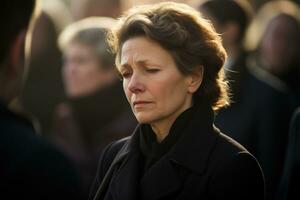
143, 118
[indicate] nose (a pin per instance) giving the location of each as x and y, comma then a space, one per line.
135, 84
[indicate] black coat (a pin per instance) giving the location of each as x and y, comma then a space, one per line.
203, 164
30, 167
258, 118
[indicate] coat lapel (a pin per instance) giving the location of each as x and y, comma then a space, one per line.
160, 181
125, 183
193, 149
164, 179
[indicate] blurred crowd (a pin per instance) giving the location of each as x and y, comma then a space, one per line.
75, 99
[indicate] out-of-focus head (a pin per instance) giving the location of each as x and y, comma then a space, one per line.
15, 19
180, 32
280, 44
91, 8
88, 61
54, 17
43, 88
230, 17
274, 34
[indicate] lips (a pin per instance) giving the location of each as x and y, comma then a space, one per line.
140, 103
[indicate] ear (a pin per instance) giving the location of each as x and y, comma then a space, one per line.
16, 53
195, 79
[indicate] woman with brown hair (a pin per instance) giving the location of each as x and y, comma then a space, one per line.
171, 62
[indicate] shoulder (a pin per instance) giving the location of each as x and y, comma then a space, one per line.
230, 152
35, 160
225, 146
108, 155
106, 159
23, 147
23, 144
110, 152
235, 172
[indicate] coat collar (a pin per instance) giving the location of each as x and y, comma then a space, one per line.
125, 183
194, 147
191, 152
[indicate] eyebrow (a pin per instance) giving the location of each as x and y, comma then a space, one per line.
139, 62
143, 62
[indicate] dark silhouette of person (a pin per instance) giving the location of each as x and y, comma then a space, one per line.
30, 167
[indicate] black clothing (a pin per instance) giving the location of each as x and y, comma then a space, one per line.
202, 164
96, 111
258, 118
151, 149
30, 167
102, 117
290, 179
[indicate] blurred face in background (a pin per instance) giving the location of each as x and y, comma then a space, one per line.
280, 45
82, 72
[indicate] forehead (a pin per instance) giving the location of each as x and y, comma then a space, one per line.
78, 48
143, 49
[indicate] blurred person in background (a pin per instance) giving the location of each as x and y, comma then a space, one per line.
43, 89
88, 8
30, 167
290, 179
96, 111
259, 114
274, 40
231, 19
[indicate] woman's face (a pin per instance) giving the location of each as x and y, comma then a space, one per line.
154, 87
82, 73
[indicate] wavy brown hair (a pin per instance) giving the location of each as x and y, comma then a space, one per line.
189, 38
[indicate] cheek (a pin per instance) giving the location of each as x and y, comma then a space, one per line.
88, 73
126, 91
69, 77
65, 74
170, 88
174, 91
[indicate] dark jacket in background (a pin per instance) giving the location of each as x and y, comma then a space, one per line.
30, 167
258, 118
94, 121
203, 164
289, 185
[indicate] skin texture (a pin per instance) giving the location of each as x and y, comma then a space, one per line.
156, 90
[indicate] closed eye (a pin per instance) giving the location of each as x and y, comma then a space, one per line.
153, 70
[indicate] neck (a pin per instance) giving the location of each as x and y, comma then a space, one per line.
162, 127
161, 130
